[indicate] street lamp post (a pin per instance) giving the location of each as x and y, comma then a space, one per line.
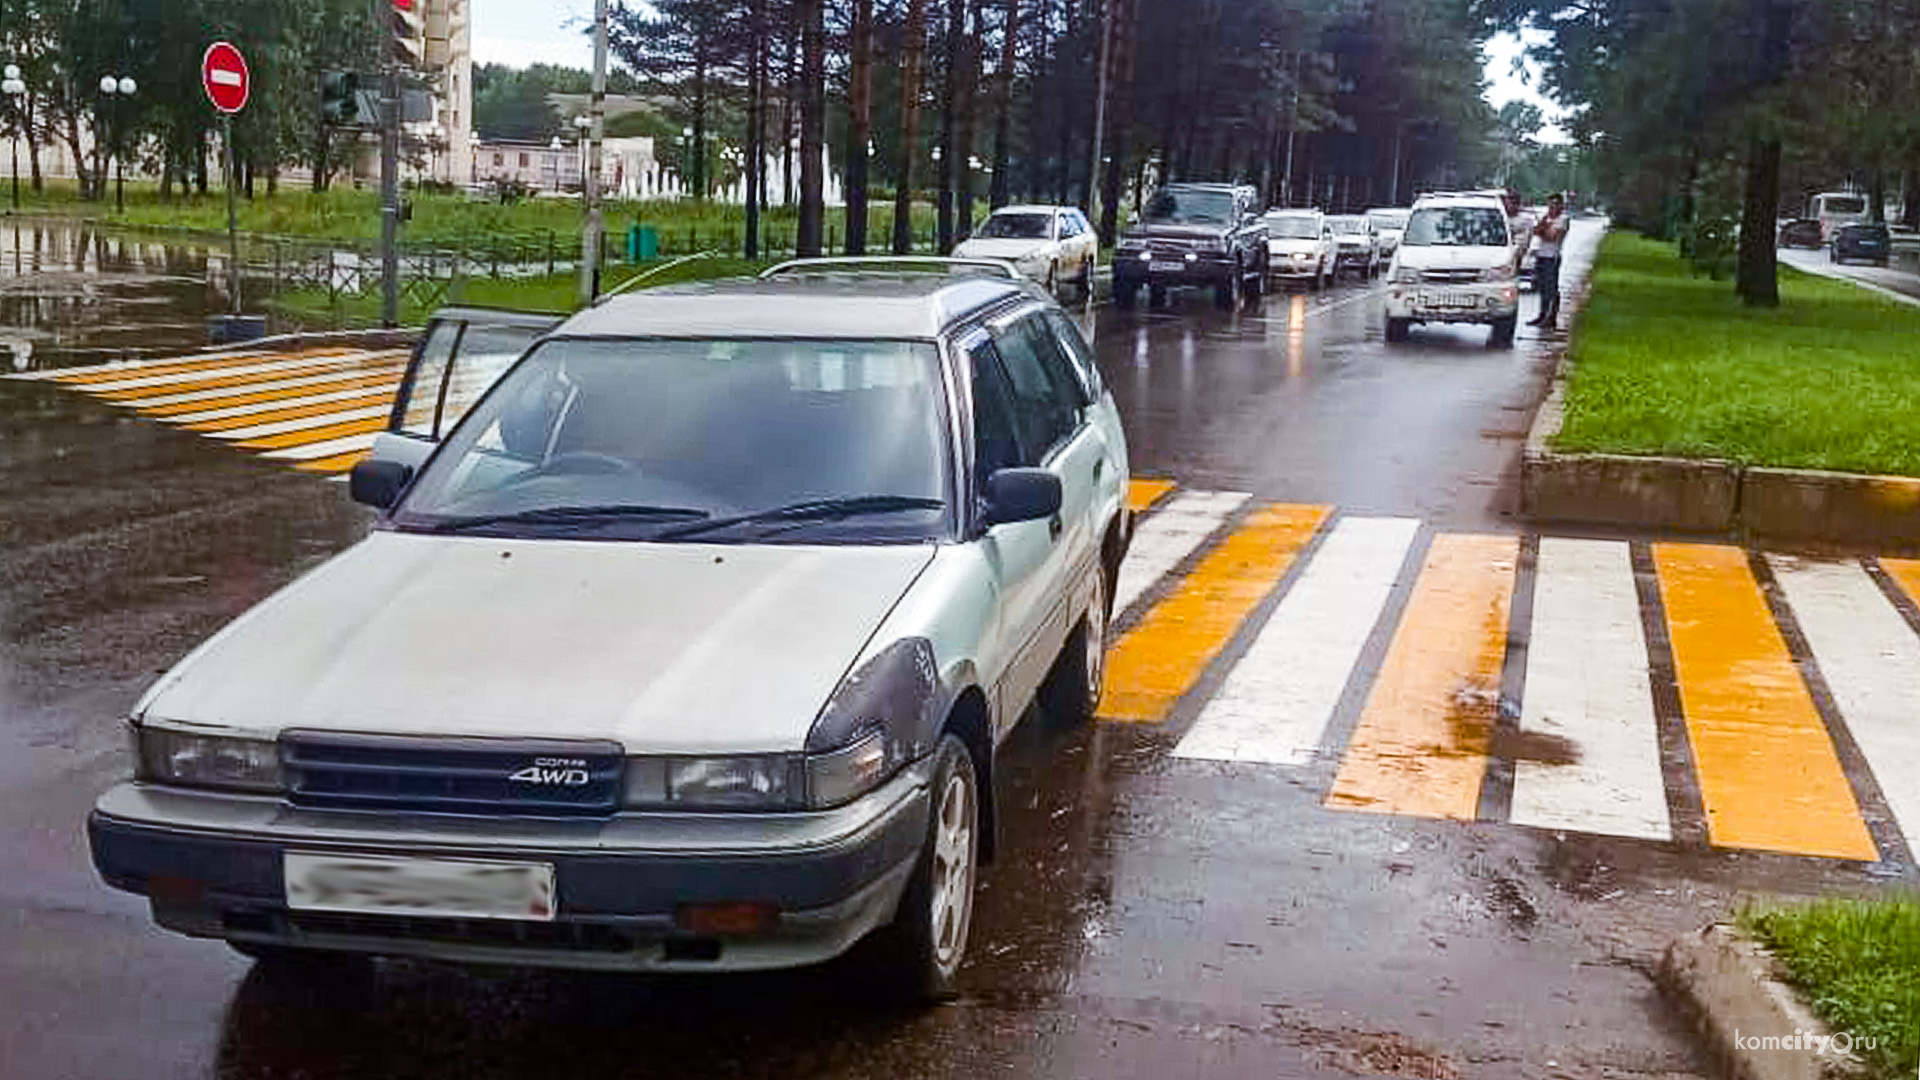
14, 87
556, 146
581, 125
123, 86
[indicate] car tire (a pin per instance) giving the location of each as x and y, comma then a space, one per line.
927, 939
1086, 279
1071, 692
1503, 331
1053, 279
1157, 295
1226, 295
1397, 329
1256, 288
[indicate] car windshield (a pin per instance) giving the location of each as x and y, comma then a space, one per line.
1456, 226
619, 438
1175, 207
1348, 225
1846, 206
1389, 219
1865, 232
1015, 227
1292, 227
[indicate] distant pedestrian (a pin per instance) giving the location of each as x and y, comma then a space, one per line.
1550, 231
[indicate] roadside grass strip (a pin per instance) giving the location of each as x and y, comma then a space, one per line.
1156, 663
1590, 741
1667, 363
1420, 747
1769, 776
1857, 963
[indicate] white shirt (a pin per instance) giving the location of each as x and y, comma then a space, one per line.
1550, 237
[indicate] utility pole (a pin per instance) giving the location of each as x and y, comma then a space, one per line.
596, 113
390, 194
1293, 122
1100, 109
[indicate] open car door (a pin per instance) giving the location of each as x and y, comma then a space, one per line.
463, 352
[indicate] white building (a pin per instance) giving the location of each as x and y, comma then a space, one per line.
628, 169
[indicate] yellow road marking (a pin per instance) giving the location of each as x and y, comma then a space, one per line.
306, 436
1421, 744
338, 463
1143, 492
231, 360
1769, 776
1906, 574
319, 368
389, 381
297, 412
1159, 660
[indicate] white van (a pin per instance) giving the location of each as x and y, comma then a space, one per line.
1833, 209
1455, 264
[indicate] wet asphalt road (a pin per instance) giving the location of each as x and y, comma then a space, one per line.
1148, 917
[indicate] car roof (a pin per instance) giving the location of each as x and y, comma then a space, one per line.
1389, 209
826, 304
1295, 211
1032, 208
1454, 198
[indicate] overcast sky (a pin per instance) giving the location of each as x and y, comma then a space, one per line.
522, 32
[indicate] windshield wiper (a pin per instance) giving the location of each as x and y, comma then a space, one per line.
571, 515
812, 509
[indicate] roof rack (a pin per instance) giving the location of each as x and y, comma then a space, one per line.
883, 263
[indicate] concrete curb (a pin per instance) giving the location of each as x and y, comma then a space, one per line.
1752, 1021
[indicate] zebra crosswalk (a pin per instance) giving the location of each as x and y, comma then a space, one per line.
314, 409
1618, 687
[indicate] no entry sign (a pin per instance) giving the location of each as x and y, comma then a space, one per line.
224, 76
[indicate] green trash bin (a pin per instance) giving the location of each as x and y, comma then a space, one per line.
643, 243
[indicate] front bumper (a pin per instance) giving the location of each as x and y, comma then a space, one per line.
1286, 266
1205, 268
211, 865
1347, 257
1487, 302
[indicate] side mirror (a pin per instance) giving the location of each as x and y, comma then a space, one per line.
1022, 495
378, 483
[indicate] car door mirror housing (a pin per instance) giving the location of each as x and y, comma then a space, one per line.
378, 483
1021, 495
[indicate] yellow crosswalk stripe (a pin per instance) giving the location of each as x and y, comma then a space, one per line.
1160, 660
307, 436
388, 382
123, 372
1143, 492
217, 382
1769, 776
1420, 747
295, 412
1906, 574
338, 463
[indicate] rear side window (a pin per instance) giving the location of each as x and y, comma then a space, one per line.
996, 445
1045, 392
1074, 347
423, 392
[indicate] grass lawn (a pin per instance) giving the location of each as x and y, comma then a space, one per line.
1858, 964
1672, 364
558, 293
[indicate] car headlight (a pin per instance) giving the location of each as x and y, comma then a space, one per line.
881, 716
211, 761
1213, 243
1500, 273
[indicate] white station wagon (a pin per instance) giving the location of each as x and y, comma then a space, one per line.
687, 649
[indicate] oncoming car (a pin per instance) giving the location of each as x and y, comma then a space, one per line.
688, 649
1456, 264
1300, 247
1050, 244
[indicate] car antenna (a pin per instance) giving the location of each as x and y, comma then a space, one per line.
640, 277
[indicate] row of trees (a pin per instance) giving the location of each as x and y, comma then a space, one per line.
63, 48
1335, 102
1702, 112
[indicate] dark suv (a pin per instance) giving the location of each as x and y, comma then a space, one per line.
1866, 242
1194, 234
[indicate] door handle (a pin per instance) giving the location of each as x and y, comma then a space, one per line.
1054, 526
1099, 468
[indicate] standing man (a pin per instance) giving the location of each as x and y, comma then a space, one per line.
1550, 231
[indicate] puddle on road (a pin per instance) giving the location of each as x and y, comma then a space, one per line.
72, 295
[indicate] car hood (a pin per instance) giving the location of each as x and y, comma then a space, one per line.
1450, 257
999, 248
664, 648
1177, 232
1292, 245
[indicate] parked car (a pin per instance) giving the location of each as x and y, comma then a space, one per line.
1456, 264
1389, 222
1208, 235
1864, 242
1356, 245
1801, 233
1050, 244
1300, 247
688, 649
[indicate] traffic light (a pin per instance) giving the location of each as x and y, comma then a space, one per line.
340, 98
407, 25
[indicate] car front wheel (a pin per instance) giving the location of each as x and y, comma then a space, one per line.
929, 932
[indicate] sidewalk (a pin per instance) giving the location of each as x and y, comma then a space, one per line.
1900, 281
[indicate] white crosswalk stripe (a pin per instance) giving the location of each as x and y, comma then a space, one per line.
321, 379
322, 449
278, 427
1175, 531
275, 405
136, 381
1280, 696
1589, 756
1870, 659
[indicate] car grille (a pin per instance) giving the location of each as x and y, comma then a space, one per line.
1172, 247
1451, 277
571, 936
539, 777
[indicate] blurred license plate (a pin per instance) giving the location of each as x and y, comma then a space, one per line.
1447, 299
380, 885
1166, 267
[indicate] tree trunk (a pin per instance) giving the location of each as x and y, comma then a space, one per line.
697, 152
33, 146
949, 105
1877, 196
1757, 281
912, 63
969, 97
1120, 115
321, 144
756, 124
788, 104
813, 125
1003, 104
1909, 197
859, 123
